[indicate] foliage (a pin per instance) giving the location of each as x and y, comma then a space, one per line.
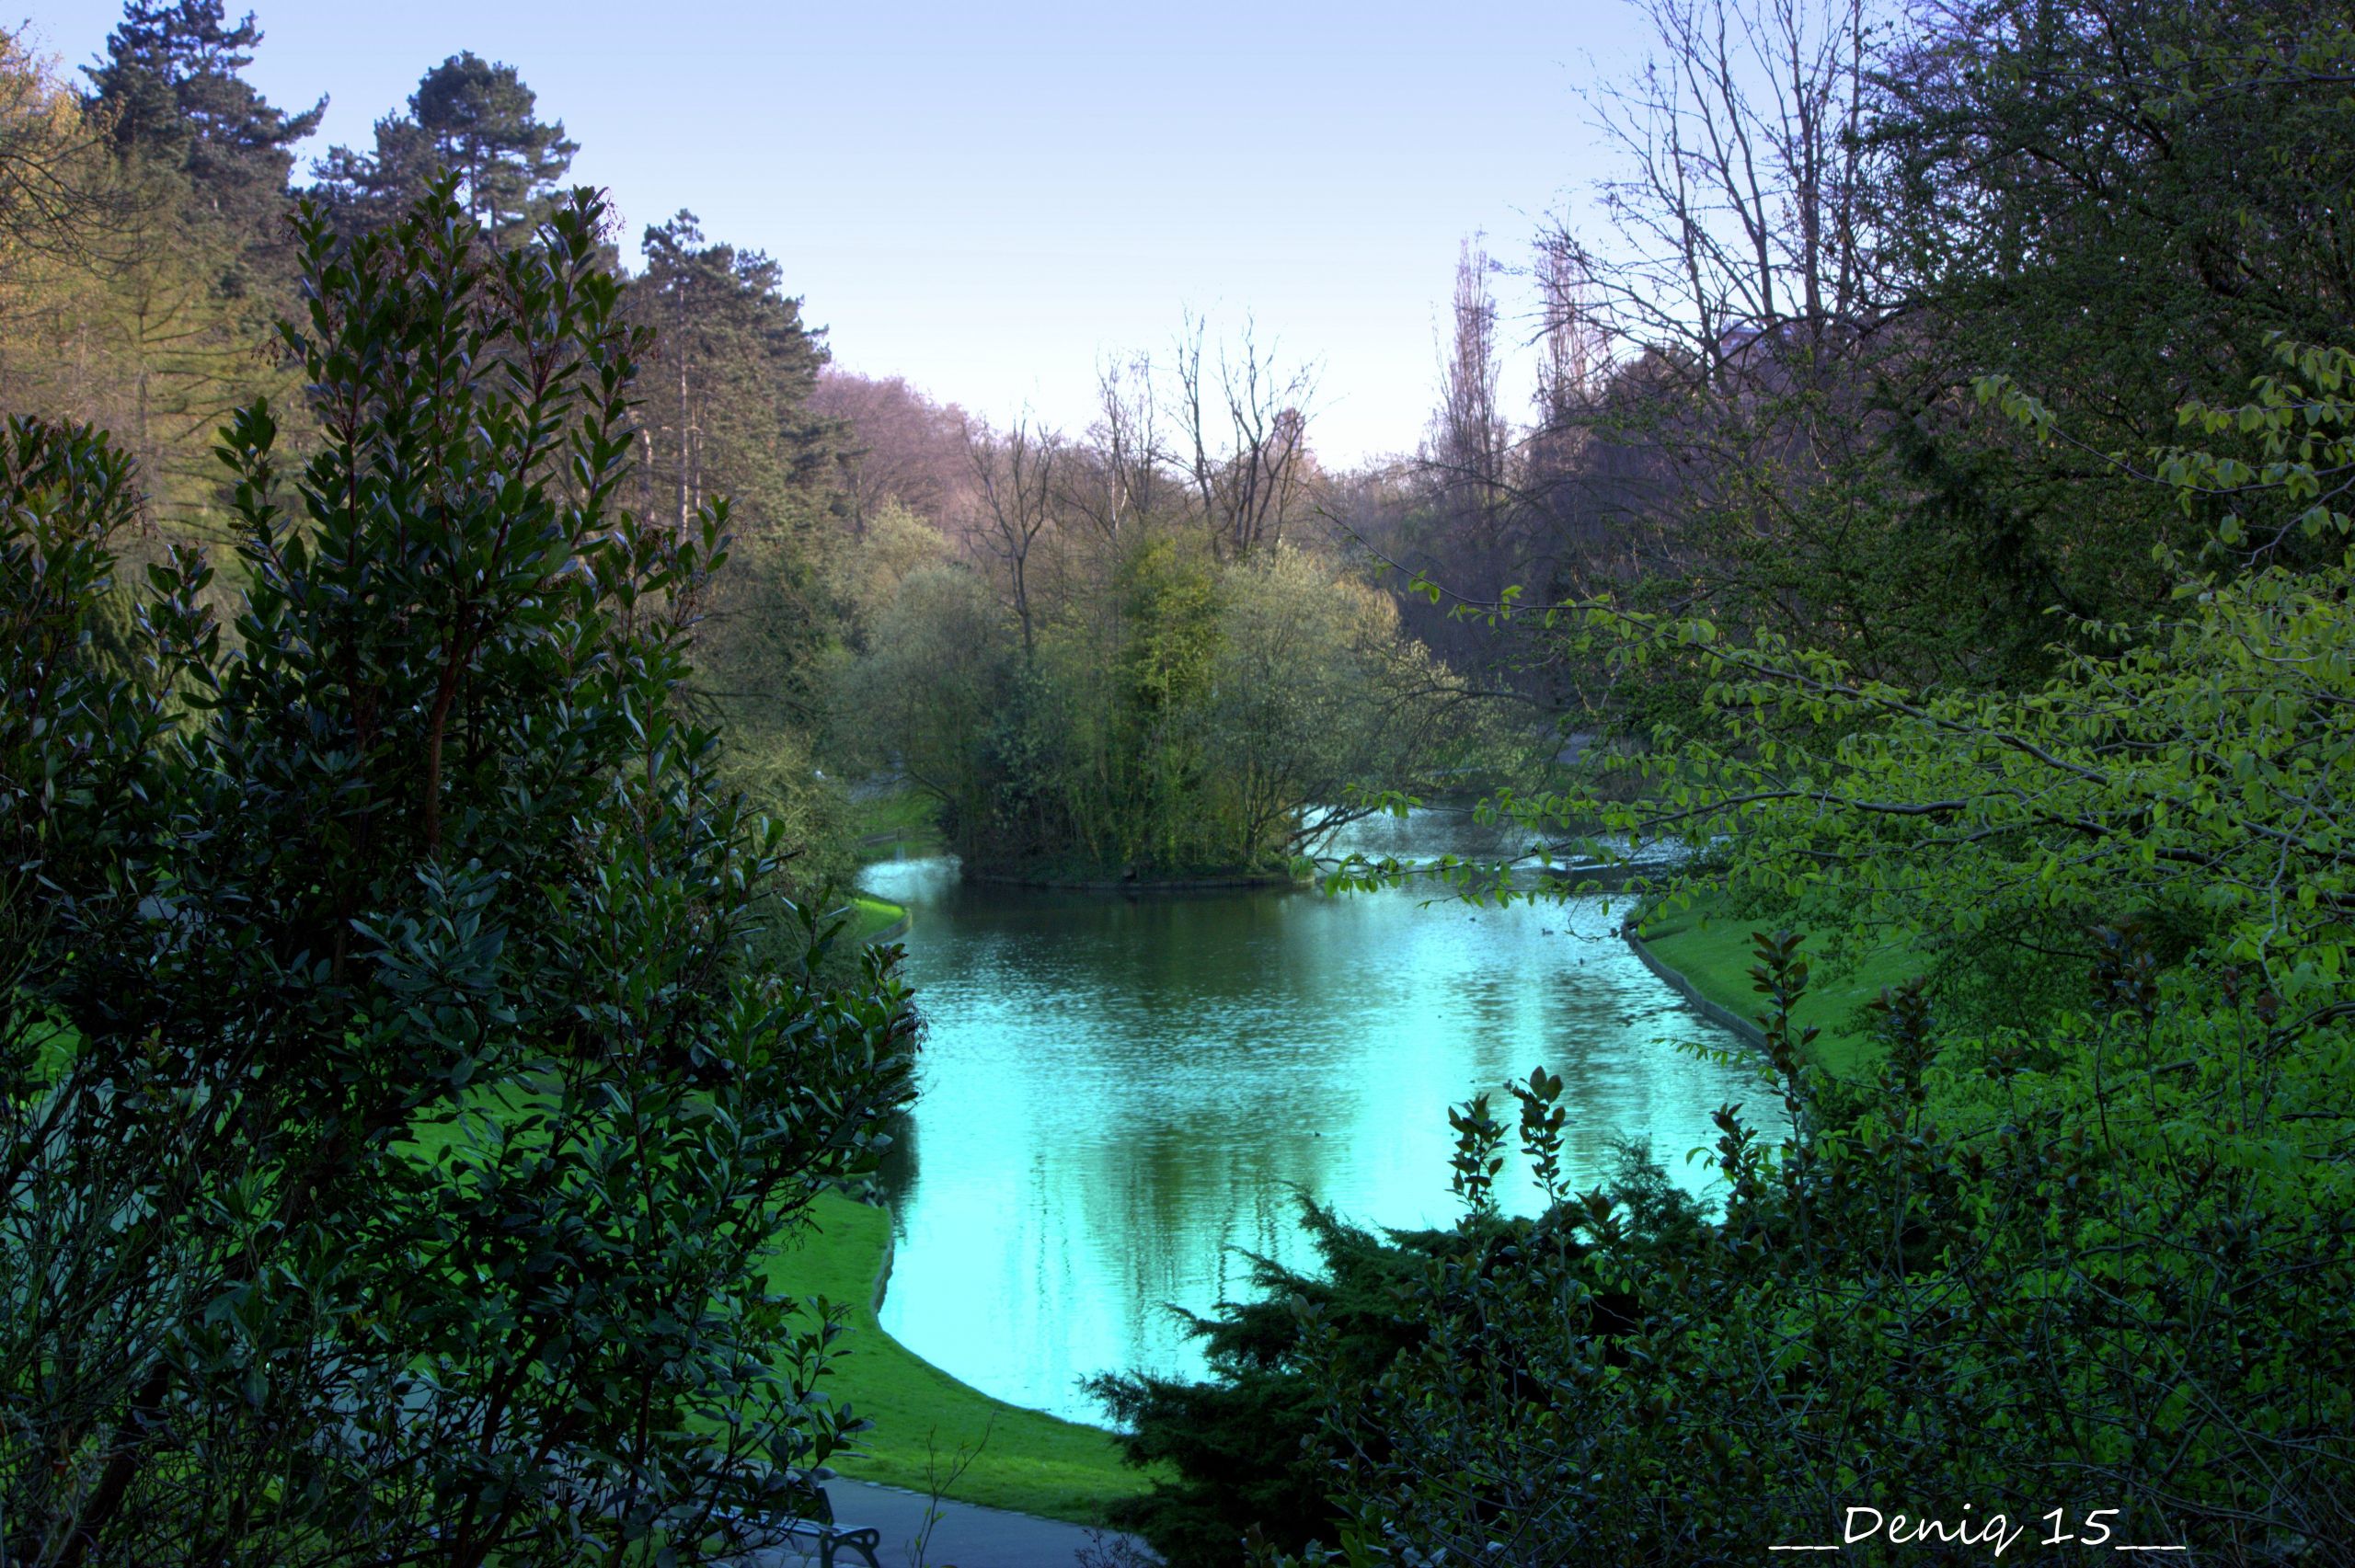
1187, 717
864, 578
1823, 222
2083, 1308
51, 179
922, 697
404, 1193
77, 733
724, 409
171, 89
472, 119
1241, 1443
142, 247
2086, 1248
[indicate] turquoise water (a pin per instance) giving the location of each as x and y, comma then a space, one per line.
1120, 1092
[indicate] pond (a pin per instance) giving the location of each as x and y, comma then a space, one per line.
1118, 1093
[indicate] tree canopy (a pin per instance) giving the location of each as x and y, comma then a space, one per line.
473, 118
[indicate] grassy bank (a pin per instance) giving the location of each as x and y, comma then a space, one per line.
1021, 1459
1709, 944
899, 823
870, 917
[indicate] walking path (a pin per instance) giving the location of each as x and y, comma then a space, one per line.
966, 1536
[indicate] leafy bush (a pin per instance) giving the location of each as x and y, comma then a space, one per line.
1246, 1445
2091, 1252
1240, 1444
404, 1190
2081, 1307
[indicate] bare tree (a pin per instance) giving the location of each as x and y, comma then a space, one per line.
1705, 365
1015, 472
1742, 216
1574, 360
904, 448
1124, 477
1243, 429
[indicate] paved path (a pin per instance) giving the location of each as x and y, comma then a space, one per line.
965, 1537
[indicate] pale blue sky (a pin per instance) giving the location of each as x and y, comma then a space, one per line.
983, 197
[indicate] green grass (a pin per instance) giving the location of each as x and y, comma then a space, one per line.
870, 917
1709, 945
53, 1045
1022, 1458
904, 822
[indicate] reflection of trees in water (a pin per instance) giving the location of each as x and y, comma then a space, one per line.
1429, 830
895, 1173
1129, 1093
1170, 1204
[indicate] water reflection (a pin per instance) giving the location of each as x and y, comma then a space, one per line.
1118, 1092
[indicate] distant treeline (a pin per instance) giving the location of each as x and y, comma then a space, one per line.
1135, 649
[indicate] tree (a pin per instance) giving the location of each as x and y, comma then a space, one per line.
154, 313
1014, 474
1319, 702
1742, 213
1469, 463
1124, 478
900, 446
865, 579
1243, 425
473, 118
1769, 365
1830, 218
55, 203
1238, 1452
59, 214
406, 969
730, 381
2056, 171
171, 89
2095, 1239
724, 408
1470, 440
924, 695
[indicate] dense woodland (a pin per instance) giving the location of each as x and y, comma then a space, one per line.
435, 653
1937, 496
1162, 661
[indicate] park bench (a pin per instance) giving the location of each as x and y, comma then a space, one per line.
832, 1536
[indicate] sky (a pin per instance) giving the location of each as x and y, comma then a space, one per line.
990, 198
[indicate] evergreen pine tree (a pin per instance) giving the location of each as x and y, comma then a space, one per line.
172, 89
724, 408
475, 119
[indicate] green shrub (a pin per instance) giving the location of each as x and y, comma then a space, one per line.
2085, 1245
407, 1192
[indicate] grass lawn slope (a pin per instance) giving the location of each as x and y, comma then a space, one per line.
1709, 945
899, 823
1022, 1458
